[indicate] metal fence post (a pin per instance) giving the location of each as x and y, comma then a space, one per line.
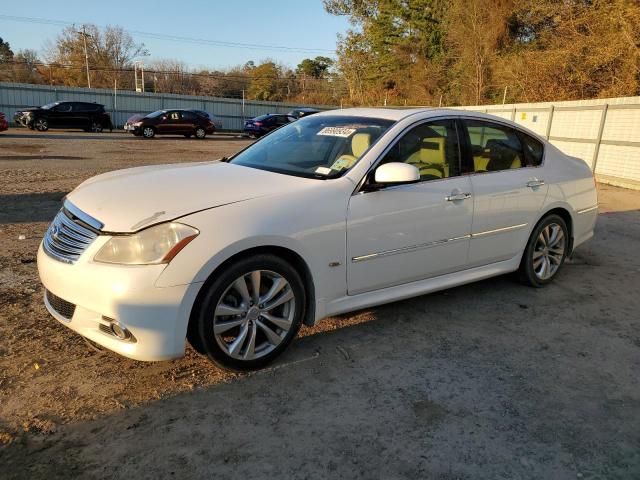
513, 114
596, 151
551, 110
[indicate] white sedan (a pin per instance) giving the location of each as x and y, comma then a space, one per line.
339, 211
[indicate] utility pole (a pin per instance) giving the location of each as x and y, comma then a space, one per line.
86, 54
243, 106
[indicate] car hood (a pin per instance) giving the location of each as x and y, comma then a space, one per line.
135, 118
132, 199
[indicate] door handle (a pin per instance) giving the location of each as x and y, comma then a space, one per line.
455, 196
535, 183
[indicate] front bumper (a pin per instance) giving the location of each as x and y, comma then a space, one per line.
156, 317
22, 119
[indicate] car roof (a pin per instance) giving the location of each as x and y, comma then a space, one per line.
402, 113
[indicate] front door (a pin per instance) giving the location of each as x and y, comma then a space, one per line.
508, 189
411, 232
171, 123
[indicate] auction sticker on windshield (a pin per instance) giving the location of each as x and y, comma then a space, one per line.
337, 131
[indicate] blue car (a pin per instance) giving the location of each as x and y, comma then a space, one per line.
259, 126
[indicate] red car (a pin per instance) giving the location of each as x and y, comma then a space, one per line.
4, 125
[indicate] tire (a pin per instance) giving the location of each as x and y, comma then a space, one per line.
545, 253
200, 133
240, 331
41, 124
96, 127
148, 132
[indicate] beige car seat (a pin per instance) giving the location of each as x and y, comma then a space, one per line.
360, 142
430, 158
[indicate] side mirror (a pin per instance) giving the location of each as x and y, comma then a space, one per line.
396, 173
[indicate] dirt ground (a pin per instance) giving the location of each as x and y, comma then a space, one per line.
486, 381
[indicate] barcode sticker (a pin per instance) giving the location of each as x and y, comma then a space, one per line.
337, 132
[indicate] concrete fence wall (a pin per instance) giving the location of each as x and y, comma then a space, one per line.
603, 132
122, 104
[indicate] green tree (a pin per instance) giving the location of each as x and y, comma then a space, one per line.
265, 80
315, 67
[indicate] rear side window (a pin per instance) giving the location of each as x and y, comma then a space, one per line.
190, 116
494, 147
533, 150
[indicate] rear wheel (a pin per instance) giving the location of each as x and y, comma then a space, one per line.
250, 313
96, 127
41, 124
546, 251
148, 132
200, 133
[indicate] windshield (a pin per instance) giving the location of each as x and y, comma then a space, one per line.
49, 106
157, 113
314, 147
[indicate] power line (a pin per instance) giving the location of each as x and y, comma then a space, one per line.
175, 38
219, 76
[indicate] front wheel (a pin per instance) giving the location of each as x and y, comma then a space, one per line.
546, 252
250, 313
41, 124
148, 132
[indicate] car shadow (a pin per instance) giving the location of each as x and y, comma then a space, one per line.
30, 207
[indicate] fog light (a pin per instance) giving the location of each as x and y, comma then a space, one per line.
118, 331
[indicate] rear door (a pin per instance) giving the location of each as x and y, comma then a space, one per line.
189, 122
508, 190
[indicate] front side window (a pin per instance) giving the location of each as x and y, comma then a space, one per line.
431, 147
315, 146
494, 147
174, 116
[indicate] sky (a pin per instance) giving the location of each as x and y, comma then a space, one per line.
295, 24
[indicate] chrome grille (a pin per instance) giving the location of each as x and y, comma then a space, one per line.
68, 237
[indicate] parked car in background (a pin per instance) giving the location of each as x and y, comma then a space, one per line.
171, 122
227, 255
259, 126
90, 117
4, 125
302, 112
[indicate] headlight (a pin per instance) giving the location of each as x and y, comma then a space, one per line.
158, 244
137, 124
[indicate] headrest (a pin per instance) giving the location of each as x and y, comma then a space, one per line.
360, 143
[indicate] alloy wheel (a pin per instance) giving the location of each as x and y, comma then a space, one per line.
200, 133
254, 315
42, 125
148, 132
96, 127
549, 251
